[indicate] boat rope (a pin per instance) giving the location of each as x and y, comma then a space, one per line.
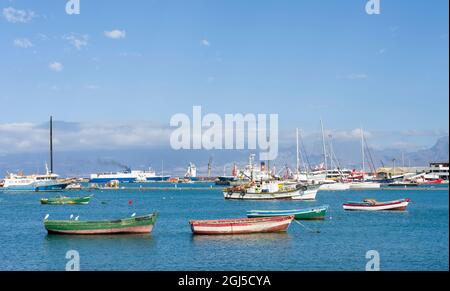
307, 228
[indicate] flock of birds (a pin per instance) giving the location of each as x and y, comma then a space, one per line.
76, 218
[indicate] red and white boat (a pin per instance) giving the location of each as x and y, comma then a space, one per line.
241, 225
373, 205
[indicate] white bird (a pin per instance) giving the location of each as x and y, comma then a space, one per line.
76, 218
46, 216
133, 215
71, 216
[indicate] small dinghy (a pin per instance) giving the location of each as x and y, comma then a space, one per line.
133, 225
373, 205
241, 225
61, 200
312, 213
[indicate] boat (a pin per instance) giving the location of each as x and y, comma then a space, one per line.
36, 182
403, 184
329, 185
373, 205
274, 190
241, 225
128, 176
66, 200
364, 185
133, 225
191, 173
312, 213
74, 186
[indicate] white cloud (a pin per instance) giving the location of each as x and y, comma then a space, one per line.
357, 76
18, 16
56, 66
205, 42
77, 40
115, 34
31, 137
22, 43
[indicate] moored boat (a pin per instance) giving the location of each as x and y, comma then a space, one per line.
364, 185
373, 205
272, 191
133, 225
241, 225
66, 200
312, 213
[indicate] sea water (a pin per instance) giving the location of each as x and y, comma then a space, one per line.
416, 239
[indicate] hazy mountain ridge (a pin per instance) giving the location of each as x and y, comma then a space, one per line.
81, 163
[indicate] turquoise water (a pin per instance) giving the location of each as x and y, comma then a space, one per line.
417, 239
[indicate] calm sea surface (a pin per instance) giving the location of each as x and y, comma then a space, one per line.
417, 239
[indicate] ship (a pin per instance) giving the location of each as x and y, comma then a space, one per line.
36, 182
128, 176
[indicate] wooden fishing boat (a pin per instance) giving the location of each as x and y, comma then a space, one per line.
139, 224
373, 205
312, 213
61, 200
241, 225
272, 191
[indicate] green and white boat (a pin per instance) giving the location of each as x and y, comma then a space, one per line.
61, 200
312, 213
133, 225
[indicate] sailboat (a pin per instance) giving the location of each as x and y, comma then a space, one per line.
363, 184
46, 182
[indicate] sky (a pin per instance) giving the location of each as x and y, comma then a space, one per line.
124, 68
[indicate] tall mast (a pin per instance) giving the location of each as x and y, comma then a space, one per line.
51, 144
324, 148
298, 161
362, 152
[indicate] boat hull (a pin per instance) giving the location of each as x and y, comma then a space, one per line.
66, 200
241, 226
334, 187
292, 195
399, 205
317, 213
142, 224
364, 186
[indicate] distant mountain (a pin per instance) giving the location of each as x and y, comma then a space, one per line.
82, 163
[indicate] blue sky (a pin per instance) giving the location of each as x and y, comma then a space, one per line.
302, 59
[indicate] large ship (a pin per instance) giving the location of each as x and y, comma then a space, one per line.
21, 182
128, 176
36, 182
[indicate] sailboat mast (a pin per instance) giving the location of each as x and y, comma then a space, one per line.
51, 144
362, 152
298, 162
324, 149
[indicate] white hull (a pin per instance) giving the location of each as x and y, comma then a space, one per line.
294, 195
377, 208
335, 187
365, 185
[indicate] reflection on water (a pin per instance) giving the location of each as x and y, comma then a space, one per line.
254, 239
125, 240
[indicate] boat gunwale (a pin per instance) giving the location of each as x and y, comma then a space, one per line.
386, 203
253, 220
296, 211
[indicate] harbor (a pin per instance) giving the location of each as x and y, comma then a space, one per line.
413, 239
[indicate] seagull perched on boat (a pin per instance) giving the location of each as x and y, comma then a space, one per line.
71, 216
46, 216
76, 218
133, 215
